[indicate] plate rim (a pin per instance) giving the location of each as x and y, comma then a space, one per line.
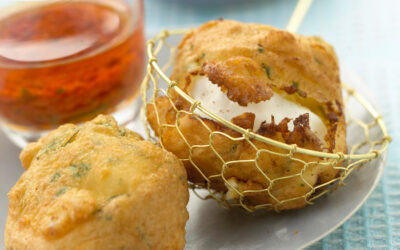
378, 178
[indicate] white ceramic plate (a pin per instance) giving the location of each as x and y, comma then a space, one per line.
212, 227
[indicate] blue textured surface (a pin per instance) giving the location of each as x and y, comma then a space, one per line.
366, 36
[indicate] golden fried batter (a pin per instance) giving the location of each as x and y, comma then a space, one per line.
251, 63
98, 186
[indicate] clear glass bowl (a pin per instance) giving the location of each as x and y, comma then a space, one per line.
68, 61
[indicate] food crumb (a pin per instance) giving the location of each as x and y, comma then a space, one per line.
295, 233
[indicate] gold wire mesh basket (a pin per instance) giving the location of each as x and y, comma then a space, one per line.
367, 140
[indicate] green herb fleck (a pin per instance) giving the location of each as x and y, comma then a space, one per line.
25, 94
97, 210
302, 184
182, 178
143, 236
54, 119
299, 92
55, 177
317, 61
81, 170
71, 139
60, 91
260, 48
234, 147
203, 55
267, 70
85, 115
321, 111
45, 150
122, 131
114, 196
61, 191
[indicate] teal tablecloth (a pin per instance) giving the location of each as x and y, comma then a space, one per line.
366, 36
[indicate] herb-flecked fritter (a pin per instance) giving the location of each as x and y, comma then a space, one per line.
250, 63
97, 186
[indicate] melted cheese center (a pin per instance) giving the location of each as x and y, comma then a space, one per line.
212, 98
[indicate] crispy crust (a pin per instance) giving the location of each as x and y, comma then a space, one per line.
250, 63
98, 186
233, 75
245, 120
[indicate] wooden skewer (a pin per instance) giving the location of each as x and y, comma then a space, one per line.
298, 15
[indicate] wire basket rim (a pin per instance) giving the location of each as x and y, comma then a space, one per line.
386, 139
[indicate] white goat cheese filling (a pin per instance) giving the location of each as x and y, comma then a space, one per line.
211, 97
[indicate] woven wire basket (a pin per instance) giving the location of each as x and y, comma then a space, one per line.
367, 136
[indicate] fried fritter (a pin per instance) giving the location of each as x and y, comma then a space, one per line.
251, 63
98, 186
